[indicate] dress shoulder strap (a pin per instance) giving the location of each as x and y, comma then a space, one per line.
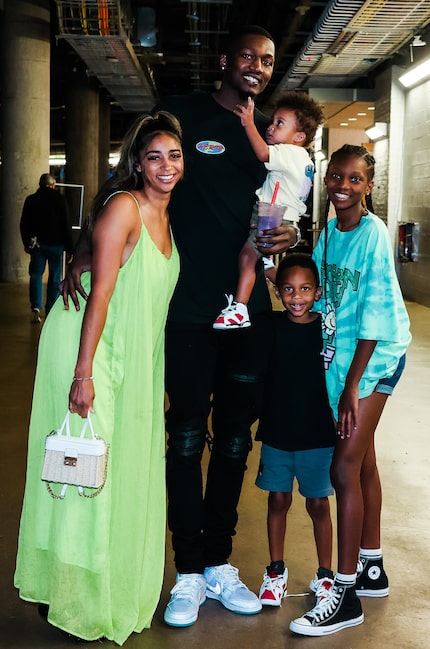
124, 191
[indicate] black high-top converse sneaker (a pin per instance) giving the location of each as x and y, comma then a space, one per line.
340, 609
372, 580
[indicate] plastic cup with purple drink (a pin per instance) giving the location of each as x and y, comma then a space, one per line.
270, 216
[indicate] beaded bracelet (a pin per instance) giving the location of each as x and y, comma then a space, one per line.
83, 378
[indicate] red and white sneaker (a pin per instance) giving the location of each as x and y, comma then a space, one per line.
320, 587
234, 316
274, 588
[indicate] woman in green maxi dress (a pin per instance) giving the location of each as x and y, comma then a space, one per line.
97, 563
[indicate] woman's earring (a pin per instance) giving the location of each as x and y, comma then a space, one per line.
223, 68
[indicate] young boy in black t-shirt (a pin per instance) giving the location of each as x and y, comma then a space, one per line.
296, 426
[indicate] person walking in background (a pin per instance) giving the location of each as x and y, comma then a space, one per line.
296, 425
284, 151
46, 233
366, 335
95, 565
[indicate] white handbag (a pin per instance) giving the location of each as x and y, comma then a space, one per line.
79, 461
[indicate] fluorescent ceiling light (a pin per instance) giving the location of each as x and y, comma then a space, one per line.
378, 131
418, 41
57, 160
113, 159
413, 76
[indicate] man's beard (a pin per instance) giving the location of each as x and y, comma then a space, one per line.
244, 94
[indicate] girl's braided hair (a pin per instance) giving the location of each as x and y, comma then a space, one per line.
359, 152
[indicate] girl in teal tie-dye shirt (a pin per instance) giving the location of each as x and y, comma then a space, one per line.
366, 334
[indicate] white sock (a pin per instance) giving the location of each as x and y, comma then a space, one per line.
371, 554
347, 580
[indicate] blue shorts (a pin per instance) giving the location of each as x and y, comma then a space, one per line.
386, 386
278, 469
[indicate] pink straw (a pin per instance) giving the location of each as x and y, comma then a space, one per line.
275, 192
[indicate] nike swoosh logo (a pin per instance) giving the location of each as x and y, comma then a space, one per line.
214, 589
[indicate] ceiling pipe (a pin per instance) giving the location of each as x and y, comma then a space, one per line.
333, 20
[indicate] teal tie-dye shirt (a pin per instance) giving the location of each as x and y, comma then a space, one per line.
362, 300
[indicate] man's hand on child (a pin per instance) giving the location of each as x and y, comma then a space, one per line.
280, 239
71, 284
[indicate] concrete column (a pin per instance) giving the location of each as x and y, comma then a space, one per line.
396, 176
82, 138
25, 119
104, 139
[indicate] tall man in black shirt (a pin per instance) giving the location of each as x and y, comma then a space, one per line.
207, 370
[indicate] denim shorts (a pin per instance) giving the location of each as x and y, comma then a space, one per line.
386, 386
278, 469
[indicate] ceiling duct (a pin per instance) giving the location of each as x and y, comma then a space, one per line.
352, 38
99, 32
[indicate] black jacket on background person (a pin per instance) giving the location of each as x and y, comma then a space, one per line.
45, 216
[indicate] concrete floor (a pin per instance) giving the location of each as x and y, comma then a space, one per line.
401, 621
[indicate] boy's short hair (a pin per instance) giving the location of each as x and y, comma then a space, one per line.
300, 259
309, 114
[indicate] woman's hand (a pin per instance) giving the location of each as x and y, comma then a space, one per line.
81, 397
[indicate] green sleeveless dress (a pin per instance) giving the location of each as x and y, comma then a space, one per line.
98, 563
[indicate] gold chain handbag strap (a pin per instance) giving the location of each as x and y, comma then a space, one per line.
95, 493
59, 496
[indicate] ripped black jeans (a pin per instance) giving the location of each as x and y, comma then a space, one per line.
208, 370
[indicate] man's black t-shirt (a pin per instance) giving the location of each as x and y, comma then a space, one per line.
210, 210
